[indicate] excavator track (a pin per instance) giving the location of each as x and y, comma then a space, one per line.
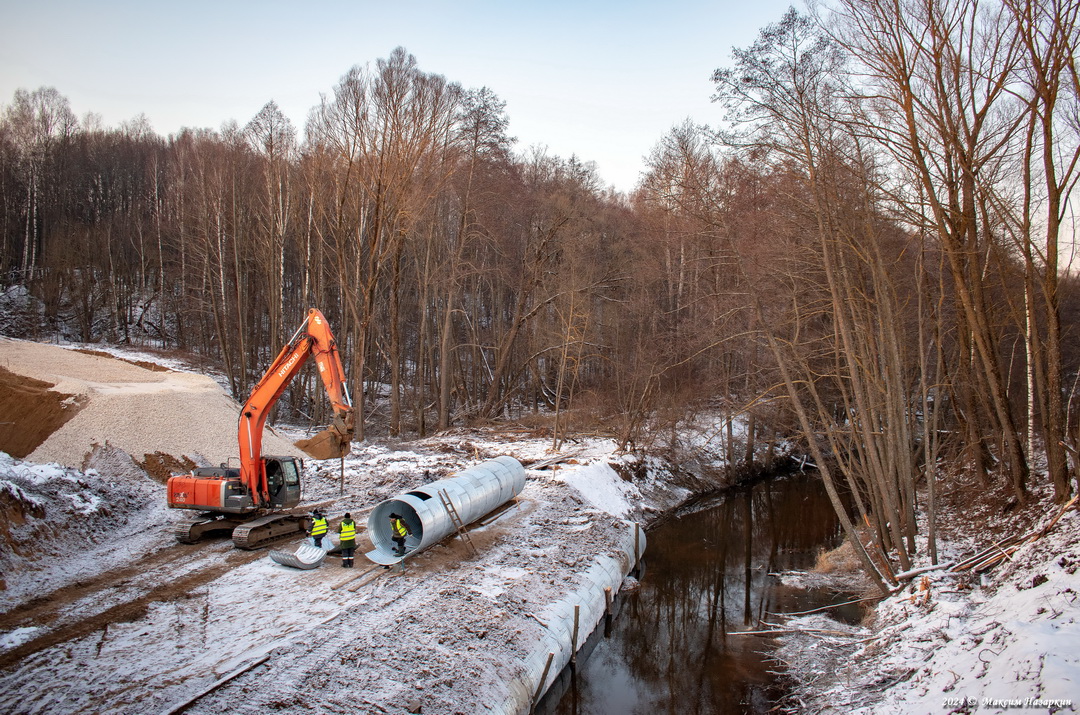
192, 530
257, 532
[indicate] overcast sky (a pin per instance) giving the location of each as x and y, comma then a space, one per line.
602, 80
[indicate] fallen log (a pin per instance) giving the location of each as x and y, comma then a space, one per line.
904, 576
1004, 549
825, 608
552, 461
790, 631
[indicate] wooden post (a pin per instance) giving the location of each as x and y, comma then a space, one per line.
573, 642
607, 611
540, 685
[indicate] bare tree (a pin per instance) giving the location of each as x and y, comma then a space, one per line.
36, 122
273, 137
938, 75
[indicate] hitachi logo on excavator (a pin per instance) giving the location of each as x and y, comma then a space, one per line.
288, 366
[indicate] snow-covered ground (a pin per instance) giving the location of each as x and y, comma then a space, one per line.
952, 641
452, 632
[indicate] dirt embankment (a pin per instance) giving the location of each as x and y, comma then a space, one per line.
30, 411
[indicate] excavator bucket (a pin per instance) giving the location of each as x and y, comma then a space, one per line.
325, 445
335, 441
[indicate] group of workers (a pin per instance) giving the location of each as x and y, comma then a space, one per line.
399, 530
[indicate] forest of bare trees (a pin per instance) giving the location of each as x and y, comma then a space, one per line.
870, 247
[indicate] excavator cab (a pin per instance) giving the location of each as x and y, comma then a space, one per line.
283, 481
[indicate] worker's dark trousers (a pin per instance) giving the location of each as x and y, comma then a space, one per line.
399, 545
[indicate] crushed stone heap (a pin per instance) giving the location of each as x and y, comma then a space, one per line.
150, 414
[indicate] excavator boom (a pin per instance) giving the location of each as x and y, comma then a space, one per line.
334, 441
312, 339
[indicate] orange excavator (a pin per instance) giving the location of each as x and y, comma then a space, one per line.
229, 497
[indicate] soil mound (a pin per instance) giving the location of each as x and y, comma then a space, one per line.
30, 411
50, 515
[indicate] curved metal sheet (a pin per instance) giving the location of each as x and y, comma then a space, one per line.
308, 556
382, 558
557, 620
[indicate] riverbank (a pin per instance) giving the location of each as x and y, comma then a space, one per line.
963, 640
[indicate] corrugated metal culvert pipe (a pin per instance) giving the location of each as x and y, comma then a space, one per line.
474, 492
568, 622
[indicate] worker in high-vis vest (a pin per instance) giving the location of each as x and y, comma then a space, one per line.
398, 531
347, 533
319, 527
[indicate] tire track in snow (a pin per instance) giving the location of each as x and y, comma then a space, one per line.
52, 607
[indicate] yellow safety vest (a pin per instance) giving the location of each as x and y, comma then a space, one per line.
319, 527
399, 528
348, 530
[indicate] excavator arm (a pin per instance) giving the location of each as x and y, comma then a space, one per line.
312, 339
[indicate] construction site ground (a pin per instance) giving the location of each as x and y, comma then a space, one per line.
102, 612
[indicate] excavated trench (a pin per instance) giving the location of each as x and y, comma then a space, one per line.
30, 411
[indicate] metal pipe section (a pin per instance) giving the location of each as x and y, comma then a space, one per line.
473, 493
576, 614
308, 555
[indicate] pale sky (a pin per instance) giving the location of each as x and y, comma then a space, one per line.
603, 80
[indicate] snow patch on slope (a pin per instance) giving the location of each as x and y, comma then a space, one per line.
601, 486
956, 642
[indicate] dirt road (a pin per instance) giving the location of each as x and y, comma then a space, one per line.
120, 596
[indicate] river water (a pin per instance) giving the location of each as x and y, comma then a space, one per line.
672, 647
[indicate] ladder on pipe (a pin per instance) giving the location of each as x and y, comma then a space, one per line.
449, 506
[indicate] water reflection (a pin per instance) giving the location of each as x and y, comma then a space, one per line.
670, 649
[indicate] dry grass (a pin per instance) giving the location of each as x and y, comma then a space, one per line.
842, 559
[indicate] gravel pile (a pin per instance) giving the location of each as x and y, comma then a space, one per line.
139, 411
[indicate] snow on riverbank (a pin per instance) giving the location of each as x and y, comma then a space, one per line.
956, 642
